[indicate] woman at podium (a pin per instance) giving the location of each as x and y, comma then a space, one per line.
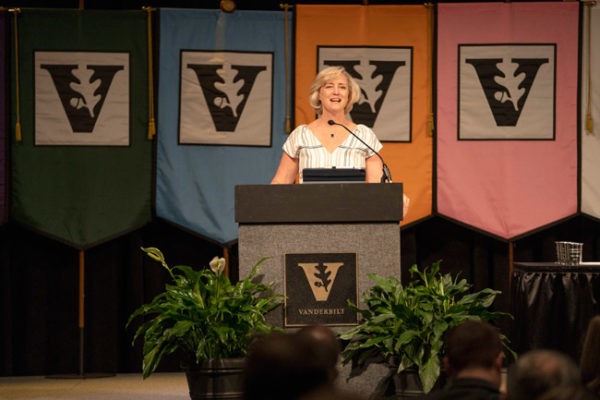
327, 141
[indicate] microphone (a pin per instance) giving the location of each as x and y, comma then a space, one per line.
386, 175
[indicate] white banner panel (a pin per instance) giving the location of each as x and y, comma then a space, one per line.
590, 142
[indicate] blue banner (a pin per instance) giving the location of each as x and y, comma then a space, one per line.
221, 113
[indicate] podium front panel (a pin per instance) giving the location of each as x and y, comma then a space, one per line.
376, 245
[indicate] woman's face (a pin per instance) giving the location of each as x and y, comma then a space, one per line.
334, 94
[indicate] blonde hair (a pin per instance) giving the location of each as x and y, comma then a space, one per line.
327, 75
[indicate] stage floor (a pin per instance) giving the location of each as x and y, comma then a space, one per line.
159, 386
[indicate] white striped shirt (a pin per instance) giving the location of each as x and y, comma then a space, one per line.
304, 145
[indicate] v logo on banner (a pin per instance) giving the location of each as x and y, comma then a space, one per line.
82, 90
506, 84
374, 79
226, 89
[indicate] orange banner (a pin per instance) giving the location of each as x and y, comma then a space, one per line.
392, 38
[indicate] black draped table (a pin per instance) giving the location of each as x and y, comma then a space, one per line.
552, 305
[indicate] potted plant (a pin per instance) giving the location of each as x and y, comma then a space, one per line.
210, 320
404, 326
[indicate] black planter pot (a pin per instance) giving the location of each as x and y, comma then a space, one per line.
408, 385
216, 379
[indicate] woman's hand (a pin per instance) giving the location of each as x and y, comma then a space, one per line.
373, 168
405, 204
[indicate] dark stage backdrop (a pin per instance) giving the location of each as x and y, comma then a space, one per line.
39, 285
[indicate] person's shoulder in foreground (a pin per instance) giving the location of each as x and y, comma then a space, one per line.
466, 389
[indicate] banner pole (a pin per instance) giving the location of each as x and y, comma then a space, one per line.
226, 257
81, 310
511, 262
81, 325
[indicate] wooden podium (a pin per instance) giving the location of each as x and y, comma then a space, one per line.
288, 223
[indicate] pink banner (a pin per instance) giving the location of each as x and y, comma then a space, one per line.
507, 115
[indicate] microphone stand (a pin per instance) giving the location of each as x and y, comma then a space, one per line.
386, 175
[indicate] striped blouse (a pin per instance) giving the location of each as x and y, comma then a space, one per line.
304, 145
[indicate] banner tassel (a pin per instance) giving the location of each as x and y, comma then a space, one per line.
288, 125
430, 125
151, 120
589, 123
151, 129
18, 136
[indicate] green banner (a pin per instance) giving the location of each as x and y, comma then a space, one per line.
82, 171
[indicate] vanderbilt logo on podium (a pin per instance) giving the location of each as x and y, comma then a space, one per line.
317, 287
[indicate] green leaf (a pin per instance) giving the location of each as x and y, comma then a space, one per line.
429, 373
155, 253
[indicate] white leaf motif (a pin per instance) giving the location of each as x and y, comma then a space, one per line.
367, 84
86, 89
230, 88
511, 82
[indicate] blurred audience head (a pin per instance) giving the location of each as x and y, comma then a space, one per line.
568, 392
286, 366
538, 371
324, 339
590, 357
474, 349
